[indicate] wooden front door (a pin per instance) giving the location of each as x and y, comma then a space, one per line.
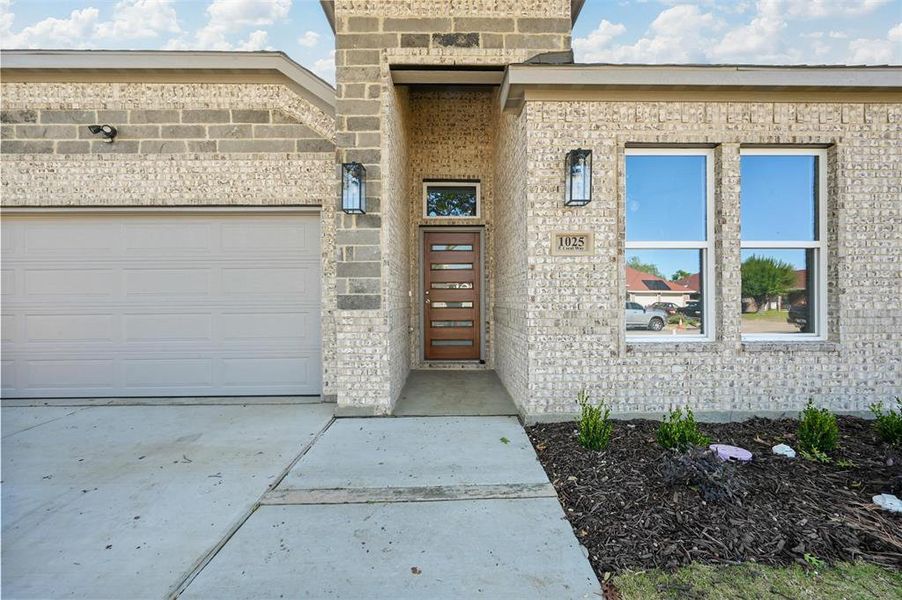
451, 294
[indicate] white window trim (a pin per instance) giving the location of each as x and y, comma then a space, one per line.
708, 306
439, 183
819, 246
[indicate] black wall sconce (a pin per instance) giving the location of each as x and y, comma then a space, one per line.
107, 131
353, 188
578, 177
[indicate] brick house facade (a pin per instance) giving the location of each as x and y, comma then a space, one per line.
486, 92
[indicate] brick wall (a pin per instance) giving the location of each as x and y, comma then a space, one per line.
576, 335
510, 274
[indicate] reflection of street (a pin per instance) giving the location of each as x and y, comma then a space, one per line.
673, 330
772, 321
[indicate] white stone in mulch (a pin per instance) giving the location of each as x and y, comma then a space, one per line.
784, 450
727, 452
888, 502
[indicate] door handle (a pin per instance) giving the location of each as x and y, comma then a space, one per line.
427, 300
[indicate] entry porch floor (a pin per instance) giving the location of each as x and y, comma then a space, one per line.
454, 393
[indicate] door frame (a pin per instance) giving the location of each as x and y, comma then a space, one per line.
421, 289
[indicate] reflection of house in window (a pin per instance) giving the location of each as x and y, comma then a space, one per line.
647, 289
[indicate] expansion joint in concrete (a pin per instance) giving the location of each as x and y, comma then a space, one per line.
434, 493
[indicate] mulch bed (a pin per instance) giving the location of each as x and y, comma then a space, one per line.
628, 517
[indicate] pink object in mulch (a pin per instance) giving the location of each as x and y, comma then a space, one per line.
727, 452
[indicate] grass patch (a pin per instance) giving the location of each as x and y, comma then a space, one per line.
766, 315
707, 582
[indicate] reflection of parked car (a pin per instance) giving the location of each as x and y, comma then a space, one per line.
669, 307
798, 315
693, 308
644, 318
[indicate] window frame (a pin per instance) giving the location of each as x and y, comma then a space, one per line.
818, 245
451, 183
706, 246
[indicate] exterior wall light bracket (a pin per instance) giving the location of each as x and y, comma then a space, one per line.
578, 177
107, 131
353, 188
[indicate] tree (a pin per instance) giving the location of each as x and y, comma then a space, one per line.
649, 268
680, 274
765, 278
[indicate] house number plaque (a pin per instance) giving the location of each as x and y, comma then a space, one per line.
572, 243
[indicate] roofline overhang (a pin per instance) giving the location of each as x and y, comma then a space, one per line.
307, 84
520, 79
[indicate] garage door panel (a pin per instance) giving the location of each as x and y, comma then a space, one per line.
48, 239
167, 373
168, 282
175, 304
299, 281
258, 237
69, 328
70, 282
158, 327
167, 238
267, 326
72, 373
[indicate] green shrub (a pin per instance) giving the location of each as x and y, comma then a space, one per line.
677, 432
595, 426
818, 431
889, 424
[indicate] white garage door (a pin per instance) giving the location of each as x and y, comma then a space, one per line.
160, 304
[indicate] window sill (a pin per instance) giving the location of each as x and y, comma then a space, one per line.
789, 346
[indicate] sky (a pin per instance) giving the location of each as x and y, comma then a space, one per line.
618, 31
665, 202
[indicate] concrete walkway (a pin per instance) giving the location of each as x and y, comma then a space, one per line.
278, 501
407, 508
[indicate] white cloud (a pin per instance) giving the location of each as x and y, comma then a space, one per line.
309, 39
132, 19
877, 51
325, 67
140, 19
678, 34
255, 41
818, 9
589, 48
225, 18
757, 41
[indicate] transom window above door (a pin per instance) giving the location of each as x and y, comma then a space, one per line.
451, 199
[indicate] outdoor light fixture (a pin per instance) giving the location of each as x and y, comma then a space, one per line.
353, 188
578, 177
107, 131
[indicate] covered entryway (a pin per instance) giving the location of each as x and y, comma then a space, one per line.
161, 303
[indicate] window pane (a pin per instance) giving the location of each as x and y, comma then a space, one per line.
452, 247
452, 342
451, 285
665, 198
451, 201
452, 323
664, 292
778, 197
777, 291
453, 304
452, 266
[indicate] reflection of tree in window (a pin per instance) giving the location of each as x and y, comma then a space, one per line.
451, 202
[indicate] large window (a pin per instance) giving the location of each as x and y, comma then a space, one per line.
783, 235
669, 232
451, 199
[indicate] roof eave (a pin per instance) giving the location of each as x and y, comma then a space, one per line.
318, 91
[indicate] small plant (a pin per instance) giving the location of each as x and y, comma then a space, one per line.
889, 424
595, 426
677, 432
815, 456
818, 432
504, 440
813, 561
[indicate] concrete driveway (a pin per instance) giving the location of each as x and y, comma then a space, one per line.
278, 502
123, 501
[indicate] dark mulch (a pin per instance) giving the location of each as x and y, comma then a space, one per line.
775, 510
